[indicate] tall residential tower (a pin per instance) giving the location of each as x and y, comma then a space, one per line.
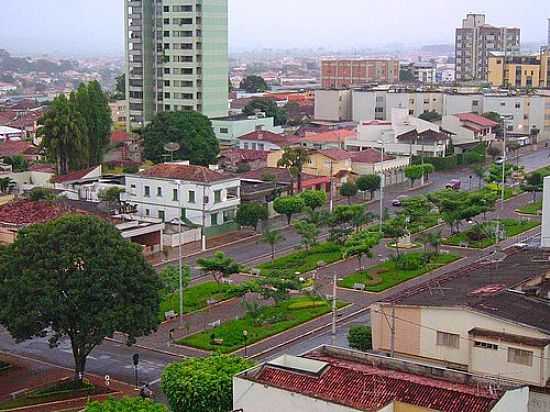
475, 40
176, 57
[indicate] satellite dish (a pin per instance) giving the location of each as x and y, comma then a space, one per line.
172, 147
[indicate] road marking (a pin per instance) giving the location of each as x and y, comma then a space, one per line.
154, 382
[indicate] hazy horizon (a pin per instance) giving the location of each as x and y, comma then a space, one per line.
95, 28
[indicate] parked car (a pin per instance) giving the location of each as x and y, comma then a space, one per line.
454, 184
397, 201
499, 160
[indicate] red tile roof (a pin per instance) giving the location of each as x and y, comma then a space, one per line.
27, 212
74, 176
245, 155
119, 136
476, 119
184, 172
336, 154
15, 148
333, 136
376, 123
367, 388
7, 117
266, 136
281, 174
369, 156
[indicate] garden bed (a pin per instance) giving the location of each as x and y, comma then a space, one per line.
302, 261
387, 275
512, 227
196, 297
531, 209
60, 391
269, 321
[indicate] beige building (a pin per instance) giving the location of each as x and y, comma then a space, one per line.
119, 113
328, 162
519, 71
333, 105
482, 320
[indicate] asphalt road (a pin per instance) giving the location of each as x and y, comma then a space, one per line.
116, 360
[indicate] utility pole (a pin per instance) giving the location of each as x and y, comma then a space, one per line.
382, 183
331, 193
392, 343
503, 181
180, 265
334, 280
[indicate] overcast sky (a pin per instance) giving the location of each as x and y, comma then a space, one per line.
94, 27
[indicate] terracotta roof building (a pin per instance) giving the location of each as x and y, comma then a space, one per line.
334, 379
185, 172
265, 140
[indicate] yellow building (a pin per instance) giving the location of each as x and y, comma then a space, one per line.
519, 71
321, 163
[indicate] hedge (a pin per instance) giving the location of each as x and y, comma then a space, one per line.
439, 163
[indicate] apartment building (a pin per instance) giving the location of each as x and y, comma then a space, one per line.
176, 57
194, 194
229, 129
475, 40
333, 105
519, 71
346, 73
499, 316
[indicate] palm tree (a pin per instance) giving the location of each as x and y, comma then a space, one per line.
272, 237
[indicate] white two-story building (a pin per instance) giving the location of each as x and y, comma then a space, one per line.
196, 194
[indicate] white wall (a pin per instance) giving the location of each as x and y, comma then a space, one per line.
459, 103
516, 400
545, 232
364, 104
258, 145
333, 105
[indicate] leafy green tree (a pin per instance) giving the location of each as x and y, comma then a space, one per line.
170, 278
76, 277
37, 194
111, 194
395, 229
219, 266
93, 105
64, 134
369, 183
250, 214
314, 199
254, 84
294, 159
308, 231
427, 170
495, 173
360, 337
288, 206
481, 172
270, 108
120, 87
18, 163
277, 289
272, 238
414, 173
202, 384
360, 245
416, 207
348, 190
432, 240
432, 116
125, 405
191, 130
534, 183
406, 76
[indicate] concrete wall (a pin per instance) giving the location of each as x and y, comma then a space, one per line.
333, 105
228, 131
516, 400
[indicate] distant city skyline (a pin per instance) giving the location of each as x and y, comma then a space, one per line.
95, 28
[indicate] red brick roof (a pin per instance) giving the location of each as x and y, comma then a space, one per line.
119, 136
476, 119
74, 176
27, 212
331, 136
369, 156
336, 154
14, 148
245, 155
184, 172
281, 174
270, 137
367, 388
7, 117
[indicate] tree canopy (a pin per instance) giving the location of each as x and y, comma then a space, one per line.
369, 183
76, 277
314, 199
250, 214
348, 189
254, 84
432, 116
289, 206
219, 266
270, 108
202, 385
294, 159
191, 130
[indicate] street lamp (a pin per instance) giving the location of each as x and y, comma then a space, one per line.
180, 268
382, 182
245, 337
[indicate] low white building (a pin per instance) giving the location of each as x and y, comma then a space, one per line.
229, 129
468, 128
265, 141
195, 194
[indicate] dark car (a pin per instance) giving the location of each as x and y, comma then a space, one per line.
454, 184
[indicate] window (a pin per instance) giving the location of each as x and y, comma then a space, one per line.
520, 356
448, 339
146, 191
224, 130
159, 191
214, 219
485, 345
228, 216
147, 212
183, 214
162, 215
175, 195
518, 105
217, 196
191, 196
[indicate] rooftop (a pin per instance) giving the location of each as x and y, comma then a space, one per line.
282, 175
333, 136
74, 176
14, 148
26, 212
245, 155
370, 382
181, 171
336, 154
476, 119
266, 136
370, 156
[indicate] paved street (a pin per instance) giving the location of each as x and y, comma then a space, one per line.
115, 359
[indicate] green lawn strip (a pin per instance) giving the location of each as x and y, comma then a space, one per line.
54, 393
512, 227
531, 208
302, 261
389, 275
271, 321
196, 297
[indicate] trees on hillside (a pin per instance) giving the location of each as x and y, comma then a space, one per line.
191, 130
254, 84
76, 277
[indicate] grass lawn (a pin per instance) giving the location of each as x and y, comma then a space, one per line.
270, 321
197, 297
386, 275
302, 261
512, 227
59, 391
531, 208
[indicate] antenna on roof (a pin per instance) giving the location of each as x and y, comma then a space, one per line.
172, 148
